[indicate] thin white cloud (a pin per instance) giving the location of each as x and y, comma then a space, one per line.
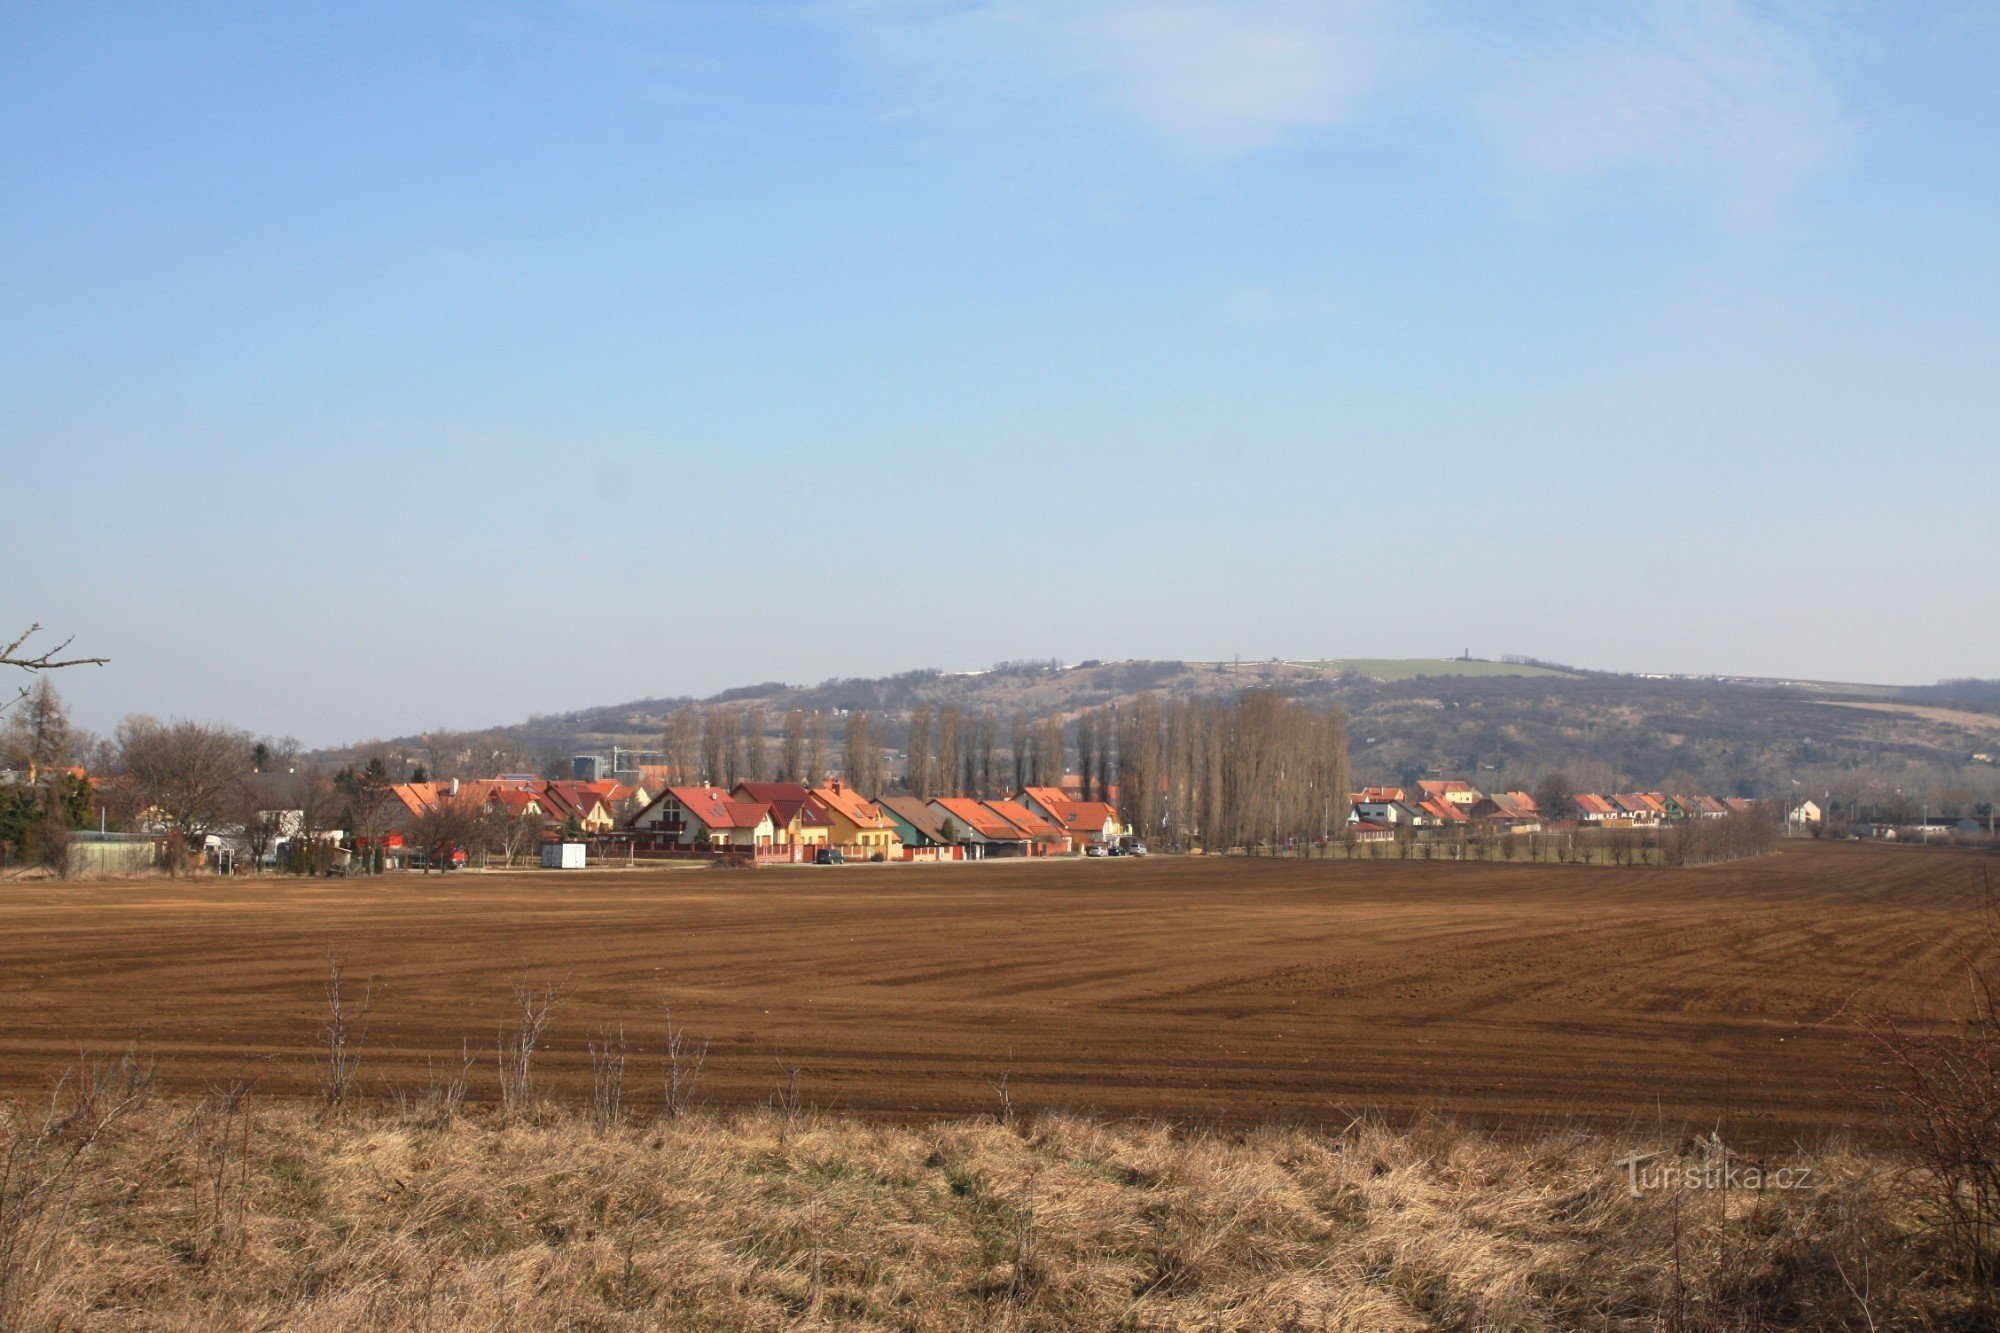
1212, 80
1724, 100
1709, 97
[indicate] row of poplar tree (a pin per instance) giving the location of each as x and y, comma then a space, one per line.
1257, 769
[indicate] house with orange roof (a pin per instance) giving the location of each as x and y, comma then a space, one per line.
1045, 801
923, 833
1592, 808
984, 832
1450, 790
854, 822
1091, 822
705, 817
1044, 838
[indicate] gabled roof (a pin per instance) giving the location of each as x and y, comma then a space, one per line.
1030, 823
1590, 803
1377, 795
971, 814
772, 791
786, 799
711, 807
1517, 804
1049, 798
515, 801
838, 797
1086, 816
920, 817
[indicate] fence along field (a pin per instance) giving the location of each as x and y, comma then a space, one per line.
1232, 991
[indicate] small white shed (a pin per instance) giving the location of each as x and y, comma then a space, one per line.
562, 856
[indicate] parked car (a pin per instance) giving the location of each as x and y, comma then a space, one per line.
1096, 849
829, 856
1138, 849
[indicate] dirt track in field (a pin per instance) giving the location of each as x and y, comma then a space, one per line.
1230, 991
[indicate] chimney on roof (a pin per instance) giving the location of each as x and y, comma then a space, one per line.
834, 783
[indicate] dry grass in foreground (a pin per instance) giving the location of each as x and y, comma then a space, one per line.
124, 1209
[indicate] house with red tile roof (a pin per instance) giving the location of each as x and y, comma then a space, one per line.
705, 817
854, 823
1045, 801
984, 832
796, 817
1451, 790
1091, 822
1044, 838
1592, 808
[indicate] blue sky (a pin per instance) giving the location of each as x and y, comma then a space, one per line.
371, 367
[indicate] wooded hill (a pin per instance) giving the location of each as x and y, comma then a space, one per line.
1501, 724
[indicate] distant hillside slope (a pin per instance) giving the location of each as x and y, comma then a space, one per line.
1506, 723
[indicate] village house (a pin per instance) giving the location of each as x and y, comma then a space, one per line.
1044, 838
982, 831
1091, 823
1450, 791
1592, 808
705, 817
796, 818
922, 832
854, 824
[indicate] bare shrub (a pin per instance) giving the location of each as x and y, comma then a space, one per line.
342, 1029
441, 1099
686, 1063
46, 1158
607, 1078
534, 1006
1944, 1109
219, 1134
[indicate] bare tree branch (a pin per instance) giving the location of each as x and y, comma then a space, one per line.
47, 660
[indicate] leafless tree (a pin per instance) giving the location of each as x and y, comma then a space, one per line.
719, 736
680, 746
989, 725
184, 775
513, 835
450, 825
1086, 753
755, 757
17, 654
341, 1032
951, 751
792, 747
1048, 765
815, 750
862, 756
917, 774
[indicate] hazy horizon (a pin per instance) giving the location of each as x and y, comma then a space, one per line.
369, 371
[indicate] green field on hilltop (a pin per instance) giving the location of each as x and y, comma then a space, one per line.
1409, 668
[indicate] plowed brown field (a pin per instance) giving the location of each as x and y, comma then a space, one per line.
1218, 990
